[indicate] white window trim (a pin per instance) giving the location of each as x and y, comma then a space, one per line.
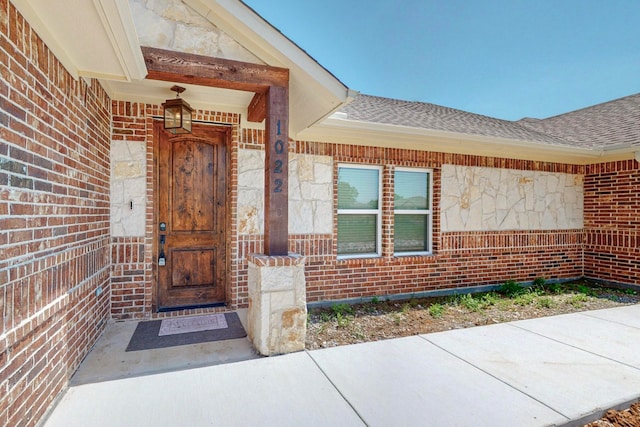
377, 212
428, 212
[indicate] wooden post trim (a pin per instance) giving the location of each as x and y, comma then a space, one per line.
276, 218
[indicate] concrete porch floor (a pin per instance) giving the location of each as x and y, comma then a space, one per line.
108, 360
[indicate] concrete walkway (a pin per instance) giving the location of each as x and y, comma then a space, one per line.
563, 370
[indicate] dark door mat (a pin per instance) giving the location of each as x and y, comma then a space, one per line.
146, 336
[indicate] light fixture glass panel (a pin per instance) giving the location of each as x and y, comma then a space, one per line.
186, 118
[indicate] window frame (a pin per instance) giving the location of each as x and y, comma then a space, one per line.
428, 212
376, 212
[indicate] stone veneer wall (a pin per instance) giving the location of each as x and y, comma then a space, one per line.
461, 258
612, 222
173, 25
54, 221
128, 188
310, 193
492, 199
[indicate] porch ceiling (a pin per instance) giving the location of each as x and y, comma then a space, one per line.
97, 39
91, 38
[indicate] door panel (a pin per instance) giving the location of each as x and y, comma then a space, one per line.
193, 185
192, 267
191, 191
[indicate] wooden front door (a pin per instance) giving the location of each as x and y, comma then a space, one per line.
191, 188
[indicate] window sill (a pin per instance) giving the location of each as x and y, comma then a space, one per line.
359, 256
414, 254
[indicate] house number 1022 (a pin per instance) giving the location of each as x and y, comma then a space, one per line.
277, 165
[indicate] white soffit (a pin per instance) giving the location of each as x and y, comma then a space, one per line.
314, 93
90, 38
199, 97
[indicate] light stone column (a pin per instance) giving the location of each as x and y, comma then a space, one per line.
277, 315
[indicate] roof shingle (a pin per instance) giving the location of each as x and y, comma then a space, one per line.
614, 123
607, 125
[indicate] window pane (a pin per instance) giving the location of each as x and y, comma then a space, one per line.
356, 234
410, 233
411, 190
358, 188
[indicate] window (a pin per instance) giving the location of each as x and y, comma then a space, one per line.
359, 210
412, 211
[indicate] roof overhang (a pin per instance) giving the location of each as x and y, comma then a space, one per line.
90, 38
98, 39
337, 129
314, 93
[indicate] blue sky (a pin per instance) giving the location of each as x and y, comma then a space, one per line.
503, 58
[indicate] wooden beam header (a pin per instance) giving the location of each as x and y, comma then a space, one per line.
270, 103
201, 70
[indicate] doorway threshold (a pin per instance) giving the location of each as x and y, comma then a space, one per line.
190, 307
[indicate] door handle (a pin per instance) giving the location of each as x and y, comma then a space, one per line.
162, 260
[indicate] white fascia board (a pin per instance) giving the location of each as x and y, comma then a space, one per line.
119, 26
250, 29
343, 131
314, 92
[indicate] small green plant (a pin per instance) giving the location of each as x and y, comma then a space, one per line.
545, 302
539, 282
555, 288
511, 289
578, 300
324, 316
436, 310
490, 299
451, 299
375, 300
629, 292
405, 308
397, 318
470, 303
342, 309
525, 299
586, 290
343, 320
504, 304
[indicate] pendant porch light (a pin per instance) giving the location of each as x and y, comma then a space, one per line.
177, 113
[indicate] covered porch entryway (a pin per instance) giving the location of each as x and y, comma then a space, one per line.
109, 359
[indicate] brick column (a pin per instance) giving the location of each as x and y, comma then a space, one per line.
277, 315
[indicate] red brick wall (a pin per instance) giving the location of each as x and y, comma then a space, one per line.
458, 260
54, 221
612, 222
133, 284
131, 268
